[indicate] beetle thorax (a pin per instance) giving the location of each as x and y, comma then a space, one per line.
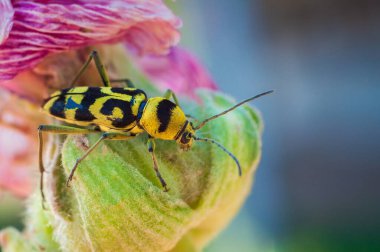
162, 119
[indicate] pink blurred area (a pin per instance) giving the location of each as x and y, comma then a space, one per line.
179, 70
15, 167
18, 144
38, 28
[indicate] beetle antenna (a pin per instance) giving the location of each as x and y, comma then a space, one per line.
230, 109
222, 147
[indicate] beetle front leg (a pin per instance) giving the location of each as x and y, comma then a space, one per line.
192, 117
151, 146
169, 93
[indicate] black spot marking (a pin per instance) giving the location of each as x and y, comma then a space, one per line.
90, 96
125, 91
58, 107
124, 106
164, 113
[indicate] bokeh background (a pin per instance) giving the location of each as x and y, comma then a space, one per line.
317, 185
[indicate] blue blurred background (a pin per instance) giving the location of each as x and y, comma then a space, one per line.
317, 185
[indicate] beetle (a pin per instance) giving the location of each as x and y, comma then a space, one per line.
121, 114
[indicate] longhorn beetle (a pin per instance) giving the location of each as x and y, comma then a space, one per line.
121, 114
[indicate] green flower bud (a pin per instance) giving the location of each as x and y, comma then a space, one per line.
116, 203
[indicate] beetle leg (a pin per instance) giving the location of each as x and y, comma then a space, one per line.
99, 66
169, 93
55, 129
105, 136
192, 117
151, 146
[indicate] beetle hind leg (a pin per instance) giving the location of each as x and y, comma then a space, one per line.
169, 94
99, 66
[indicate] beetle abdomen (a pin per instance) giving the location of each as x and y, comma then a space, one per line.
114, 108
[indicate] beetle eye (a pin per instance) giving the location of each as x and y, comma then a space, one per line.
189, 135
185, 138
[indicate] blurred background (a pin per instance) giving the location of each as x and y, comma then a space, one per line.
317, 185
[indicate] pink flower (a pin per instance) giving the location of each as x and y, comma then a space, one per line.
179, 71
32, 29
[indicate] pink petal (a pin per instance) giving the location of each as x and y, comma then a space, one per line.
28, 86
6, 11
179, 71
18, 144
41, 27
15, 158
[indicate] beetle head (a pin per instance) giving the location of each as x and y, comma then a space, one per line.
185, 139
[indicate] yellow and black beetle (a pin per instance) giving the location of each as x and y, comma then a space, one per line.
121, 113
